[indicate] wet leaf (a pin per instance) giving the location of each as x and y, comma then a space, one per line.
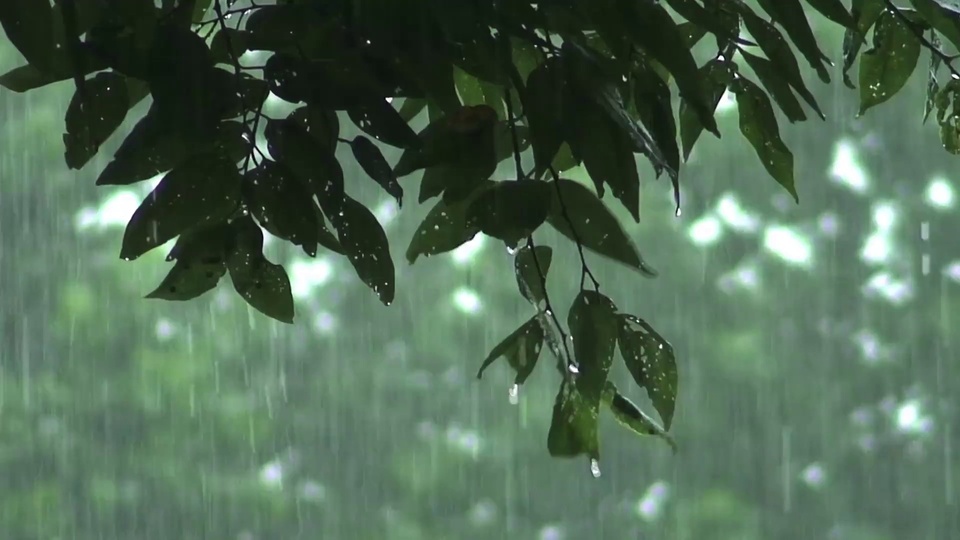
574, 426
866, 12
203, 189
29, 25
651, 362
717, 76
654, 31
310, 159
381, 121
373, 163
91, 121
541, 105
887, 67
445, 227
511, 210
631, 417
593, 330
365, 244
607, 154
766, 71
531, 267
790, 15
201, 260
521, 349
781, 59
463, 139
282, 205
263, 284
593, 225
652, 99
759, 126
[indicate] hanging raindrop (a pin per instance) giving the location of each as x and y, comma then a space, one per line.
595, 468
514, 394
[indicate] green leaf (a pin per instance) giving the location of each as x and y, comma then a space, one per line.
759, 126
592, 83
464, 139
381, 121
593, 225
943, 20
631, 417
593, 329
445, 227
531, 267
835, 11
365, 244
542, 102
790, 15
203, 189
521, 349
373, 163
511, 210
264, 285
778, 87
229, 44
606, 154
91, 121
866, 12
654, 31
282, 205
650, 360
574, 426
717, 77
887, 67
706, 19
651, 97
201, 257
781, 61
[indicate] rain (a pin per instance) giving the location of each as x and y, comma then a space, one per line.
816, 343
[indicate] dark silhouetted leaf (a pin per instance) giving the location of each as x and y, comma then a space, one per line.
651, 97
542, 102
511, 210
606, 154
759, 126
365, 244
282, 205
263, 284
201, 257
650, 360
866, 12
375, 165
531, 267
521, 349
464, 139
381, 121
203, 189
654, 31
887, 67
29, 25
593, 225
92, 120
292, 145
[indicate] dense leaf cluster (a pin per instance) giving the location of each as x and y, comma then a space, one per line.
563, 82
